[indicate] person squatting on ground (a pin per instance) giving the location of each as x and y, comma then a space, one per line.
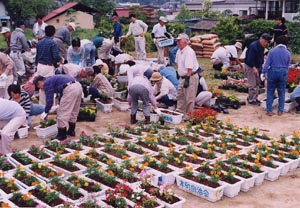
203, 95
159, 33
69, 105
276, 68
23, 99
138, 29
12, 117
75, 54
253, 66
47, 56
187, 70
164, 91
140, 88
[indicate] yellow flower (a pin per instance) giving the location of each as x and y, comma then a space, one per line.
86, 184
258, 156
225, 173
40, 166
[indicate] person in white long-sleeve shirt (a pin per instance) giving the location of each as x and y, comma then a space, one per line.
203, 95
138, 29
164, 91
12, 117
39, 28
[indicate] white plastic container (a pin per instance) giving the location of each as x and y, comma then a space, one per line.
119, 94
44, 133
106, 108
167, 42
153, 117
2, 83
23, 132
168, 117
288, 107
264, 103
122, 106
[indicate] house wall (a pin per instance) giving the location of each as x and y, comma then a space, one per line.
2, 9
82, 20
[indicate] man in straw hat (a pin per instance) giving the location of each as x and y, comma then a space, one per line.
164, 91
5, 31
159, 33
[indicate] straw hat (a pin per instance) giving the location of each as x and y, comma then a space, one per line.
156, 76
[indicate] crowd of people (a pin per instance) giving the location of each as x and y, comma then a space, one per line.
63, 63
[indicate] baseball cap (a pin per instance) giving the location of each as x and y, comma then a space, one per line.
199, 70
5, 30
266, 36
238, 45
183, 36
72, 24
162, 18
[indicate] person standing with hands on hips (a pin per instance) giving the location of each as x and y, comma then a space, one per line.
138, 29
253, 65
159, 33
70, 101
187, 70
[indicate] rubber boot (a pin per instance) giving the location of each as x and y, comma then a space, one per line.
71, 130
147, 119
62, 134
133, 119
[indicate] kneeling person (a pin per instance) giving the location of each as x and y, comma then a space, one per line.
69, 106
203, 95
164, 90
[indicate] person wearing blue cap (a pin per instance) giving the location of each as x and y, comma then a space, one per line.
203, 95
253, 65
18, 44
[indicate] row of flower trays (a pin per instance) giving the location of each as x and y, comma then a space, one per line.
135, 166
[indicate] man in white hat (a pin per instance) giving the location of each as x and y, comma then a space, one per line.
5, 31
159, 33
103, 67
188, 78
224, 55
63, 35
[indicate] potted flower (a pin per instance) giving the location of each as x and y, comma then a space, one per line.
38, 153
88, 185
8, 185
66, 164
25, 178
5, 165
74, 145
116, 150
87, 113
55, 147
200, 185
132, 147
149, 142
101, 176
20, 158
46, 129
22, 199
89, 141
233, 184
115, 200
49, 197
117, 132
44, 171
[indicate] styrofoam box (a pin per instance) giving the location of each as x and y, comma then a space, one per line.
118, 94
288, 107
122, 106
44, 133
23, 132
174, 119
107, 108
166, 42
153, 117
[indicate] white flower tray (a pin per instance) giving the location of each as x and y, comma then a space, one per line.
272, 174
119, 94
122, 79
153, 117
232, 190
163, 178
288, 107
174, 119
178, 204
122, 106
47, 132
106, 108
200, 190
264, 103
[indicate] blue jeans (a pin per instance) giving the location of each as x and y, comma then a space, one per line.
35, 109
89, 49
94, 93
276, 80
172, 55
166, 100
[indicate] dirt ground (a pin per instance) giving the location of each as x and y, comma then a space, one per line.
282, 193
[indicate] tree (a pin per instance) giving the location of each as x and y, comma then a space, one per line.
227, 13
184, 14
228, 30
18, 9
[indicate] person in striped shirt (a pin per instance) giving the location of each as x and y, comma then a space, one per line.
23, 99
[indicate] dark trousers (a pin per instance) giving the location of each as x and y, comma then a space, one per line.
166, 100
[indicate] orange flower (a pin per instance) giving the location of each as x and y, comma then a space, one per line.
110, 172
4, 205
54, 186
34, 183
51, 173
124, 156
